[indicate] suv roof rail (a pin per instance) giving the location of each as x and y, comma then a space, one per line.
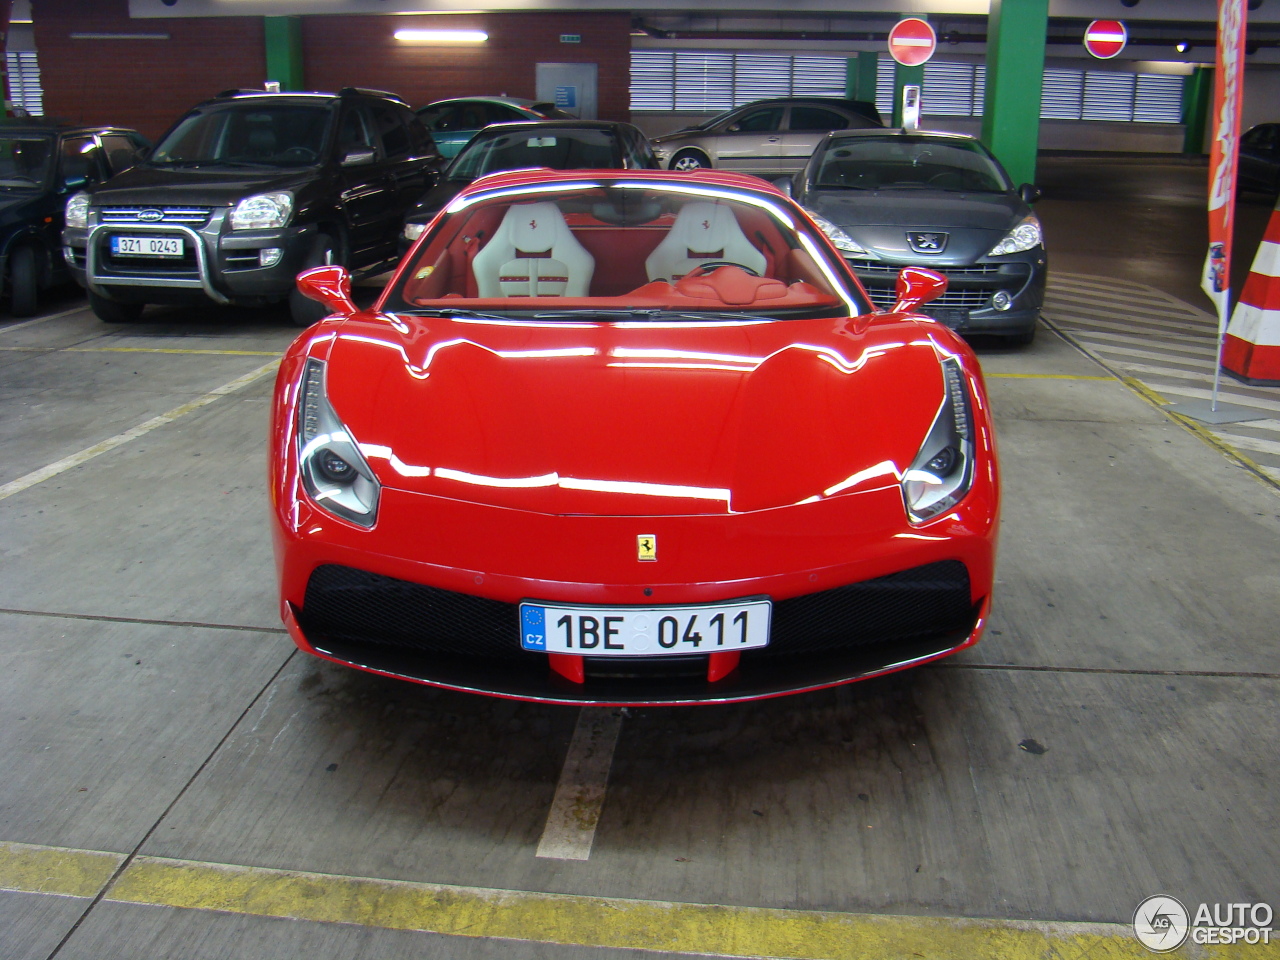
365, 91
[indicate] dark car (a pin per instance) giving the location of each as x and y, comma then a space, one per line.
764, 137
893, 198
453, 122
558, 144
40, 165
1260, 158
245, 191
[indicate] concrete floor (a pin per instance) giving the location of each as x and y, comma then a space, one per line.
1113, 737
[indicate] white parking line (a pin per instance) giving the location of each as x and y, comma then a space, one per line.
575, 810
52, 316
66, 463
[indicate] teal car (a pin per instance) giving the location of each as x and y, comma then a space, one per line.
453, 122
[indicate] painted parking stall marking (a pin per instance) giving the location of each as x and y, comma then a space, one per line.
579, 798
133, 433
1166, 349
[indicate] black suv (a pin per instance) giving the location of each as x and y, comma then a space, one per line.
245, 191
41, 164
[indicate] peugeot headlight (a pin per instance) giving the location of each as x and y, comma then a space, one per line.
843, 242
942, 472
78, 210
334, 472
1022, 237
262, 212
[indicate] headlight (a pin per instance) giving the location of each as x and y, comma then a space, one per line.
942, 472
412, 231
334, 472
78, 210
844, 243
1022, 237
262, 212
660, 151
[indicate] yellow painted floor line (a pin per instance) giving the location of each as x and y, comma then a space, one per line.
1041, 376
30, 868
76, 459
549, 918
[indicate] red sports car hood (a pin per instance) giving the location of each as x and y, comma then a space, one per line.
639, 419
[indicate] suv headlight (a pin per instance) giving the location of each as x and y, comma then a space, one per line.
261, 212
1022, 237
78, 210
334, 472
942, 472
843, 242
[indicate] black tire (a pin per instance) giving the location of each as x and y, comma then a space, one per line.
112, 311
687, 160
303, 311
24, 281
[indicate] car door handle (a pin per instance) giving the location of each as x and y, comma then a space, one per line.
774, 139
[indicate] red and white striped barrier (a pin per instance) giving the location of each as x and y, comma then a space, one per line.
1251, 350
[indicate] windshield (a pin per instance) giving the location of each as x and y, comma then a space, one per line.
517, 150
615, 249
898, 162
247, 133
25, 161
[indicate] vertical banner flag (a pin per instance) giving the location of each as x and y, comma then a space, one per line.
1223, 154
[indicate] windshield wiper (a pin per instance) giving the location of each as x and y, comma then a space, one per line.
453, 312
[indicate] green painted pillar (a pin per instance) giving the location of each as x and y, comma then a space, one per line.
860, 78
1197, 91
1015, 71
283, 36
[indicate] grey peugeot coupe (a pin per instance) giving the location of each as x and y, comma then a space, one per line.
895, 198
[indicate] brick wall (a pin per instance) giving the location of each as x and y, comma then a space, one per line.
147, 84
361, 51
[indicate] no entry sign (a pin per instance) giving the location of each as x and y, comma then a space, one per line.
1105, 38
912, 41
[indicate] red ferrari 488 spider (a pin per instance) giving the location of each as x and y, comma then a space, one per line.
631, 437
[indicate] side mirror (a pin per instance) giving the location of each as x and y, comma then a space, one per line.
1029, 192
328, 285
917, 286
786, 184
358, 158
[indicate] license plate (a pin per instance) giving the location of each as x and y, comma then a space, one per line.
644, 631
951, 316
146, 246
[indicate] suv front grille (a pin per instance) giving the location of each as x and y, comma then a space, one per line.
190, 216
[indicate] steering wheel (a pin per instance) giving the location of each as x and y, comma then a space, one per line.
299, 153
709, 265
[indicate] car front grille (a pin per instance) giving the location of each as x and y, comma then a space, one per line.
188, 216
969, 286
367, 610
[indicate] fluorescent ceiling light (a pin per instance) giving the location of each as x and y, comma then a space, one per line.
442, 36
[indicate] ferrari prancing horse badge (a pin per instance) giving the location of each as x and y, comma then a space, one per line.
647, 547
